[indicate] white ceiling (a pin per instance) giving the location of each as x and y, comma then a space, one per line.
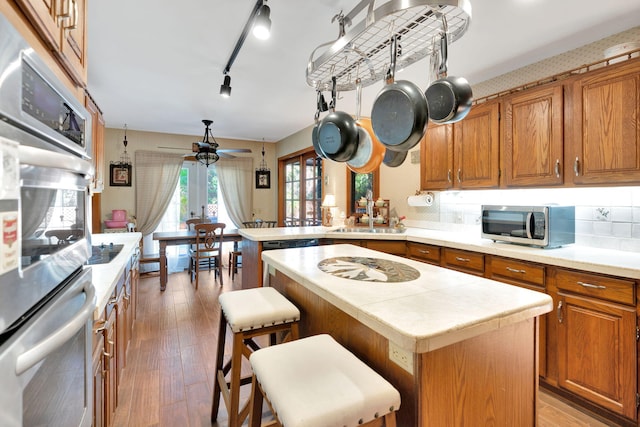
157, 65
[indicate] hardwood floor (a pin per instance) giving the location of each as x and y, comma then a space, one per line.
168, 380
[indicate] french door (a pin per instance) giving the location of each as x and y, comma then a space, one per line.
300, 189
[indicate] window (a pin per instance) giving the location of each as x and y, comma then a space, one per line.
358, 184
300, 186
196, 194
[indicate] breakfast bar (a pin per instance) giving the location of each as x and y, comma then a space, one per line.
461, 349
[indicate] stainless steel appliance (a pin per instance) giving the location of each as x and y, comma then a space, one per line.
46, 293
547, 226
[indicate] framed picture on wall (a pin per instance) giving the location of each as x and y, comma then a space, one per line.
263, 179
120, 175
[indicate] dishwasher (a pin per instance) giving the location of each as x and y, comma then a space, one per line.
286, 244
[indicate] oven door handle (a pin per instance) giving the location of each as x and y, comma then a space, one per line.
50, 344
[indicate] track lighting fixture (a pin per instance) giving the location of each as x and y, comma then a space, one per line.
225, 88
262, 24
260, 21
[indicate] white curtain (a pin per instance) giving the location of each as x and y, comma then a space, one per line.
235, 177
156, 178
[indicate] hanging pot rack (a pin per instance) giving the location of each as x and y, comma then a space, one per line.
363, 52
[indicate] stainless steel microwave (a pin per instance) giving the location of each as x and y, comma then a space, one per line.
547, 226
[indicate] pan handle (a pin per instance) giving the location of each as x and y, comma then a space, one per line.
334, 83
444, 49
390, 77
358, 98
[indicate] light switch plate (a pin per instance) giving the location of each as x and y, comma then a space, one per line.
415, 157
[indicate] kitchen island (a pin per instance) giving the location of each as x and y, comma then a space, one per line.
461, 349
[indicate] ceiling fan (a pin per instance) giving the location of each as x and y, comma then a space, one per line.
207, 151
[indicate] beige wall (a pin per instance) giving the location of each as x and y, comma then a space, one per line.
264, 200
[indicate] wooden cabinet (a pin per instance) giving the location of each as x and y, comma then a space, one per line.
596, 327
436, 158
423, 252
602, 127
61, 24
113, 334
527, 275
463, 155
110, 367
393, 247
531, 145
98, 373
465, 261
97, 144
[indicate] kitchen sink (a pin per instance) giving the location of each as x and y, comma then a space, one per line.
380, 230
104, 254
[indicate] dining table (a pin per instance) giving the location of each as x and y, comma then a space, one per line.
184, 237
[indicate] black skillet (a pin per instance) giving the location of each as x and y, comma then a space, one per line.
449, 98
338, 133
400, 112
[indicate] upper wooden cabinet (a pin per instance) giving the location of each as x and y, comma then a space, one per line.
61, 24
436, 158
463, 155
532, 137
476, 146
602, 132
97, 143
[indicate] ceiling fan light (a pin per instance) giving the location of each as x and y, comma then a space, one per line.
207, 157
262, 24
225, 88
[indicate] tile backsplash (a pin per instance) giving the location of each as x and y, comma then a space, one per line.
605, 217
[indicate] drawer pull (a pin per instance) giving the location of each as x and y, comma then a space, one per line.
462, 259
589, 285
559, 312
515, 270
424, 251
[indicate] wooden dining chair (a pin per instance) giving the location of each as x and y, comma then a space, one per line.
208, 247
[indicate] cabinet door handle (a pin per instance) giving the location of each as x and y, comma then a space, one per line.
515, 270
576, 166
462, 259
559, 312
424, 251
459, 175
74, 21
590, 285
65, 11
557, 168
449, 175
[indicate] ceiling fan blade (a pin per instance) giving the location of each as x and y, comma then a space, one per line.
234, 150
226, 155
172, 148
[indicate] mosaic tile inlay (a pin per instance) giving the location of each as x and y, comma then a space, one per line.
368, 269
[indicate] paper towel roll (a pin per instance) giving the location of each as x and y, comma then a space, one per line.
420, 200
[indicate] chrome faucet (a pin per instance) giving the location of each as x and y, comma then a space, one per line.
370, 209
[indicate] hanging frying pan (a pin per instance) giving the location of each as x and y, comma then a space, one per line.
321, 106
393, 159
400, 112
449, 98
370, 151
338, 133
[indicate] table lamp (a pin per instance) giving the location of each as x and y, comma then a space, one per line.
328, 203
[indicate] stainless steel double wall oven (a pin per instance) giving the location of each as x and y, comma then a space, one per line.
46, 293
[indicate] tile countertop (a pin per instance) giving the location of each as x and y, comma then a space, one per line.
595, 260
105, 276
439, 308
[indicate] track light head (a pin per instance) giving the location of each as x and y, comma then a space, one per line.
262, 24
225, 88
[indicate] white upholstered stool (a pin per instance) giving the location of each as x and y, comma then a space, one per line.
315, 382
249, 313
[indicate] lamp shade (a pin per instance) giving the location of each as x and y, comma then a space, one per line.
329, 201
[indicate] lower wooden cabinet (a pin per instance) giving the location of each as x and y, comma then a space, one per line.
597, 339
423, 252
465, 261
113, 333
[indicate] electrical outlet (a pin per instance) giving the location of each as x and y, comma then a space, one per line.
401, 357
